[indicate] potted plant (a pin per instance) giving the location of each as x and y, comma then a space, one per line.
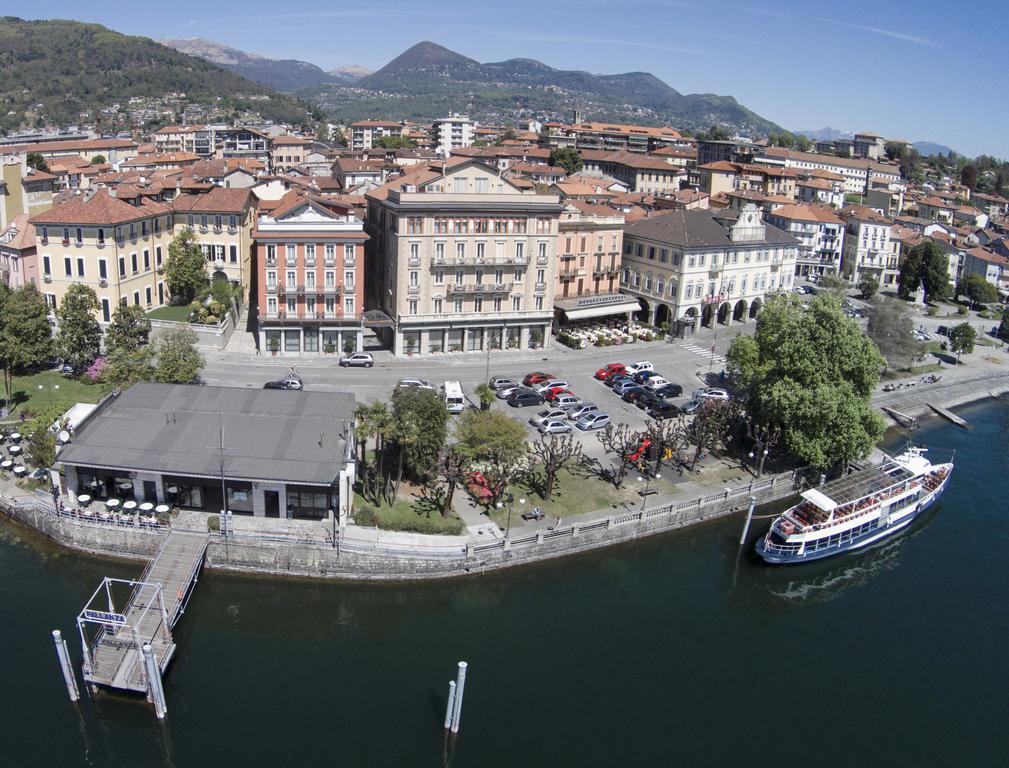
411, 345
535, 338
329, 348
349, 346
273, 345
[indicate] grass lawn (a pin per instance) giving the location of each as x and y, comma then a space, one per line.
26, 393
404, 515
984, 341
916, 370
179, 314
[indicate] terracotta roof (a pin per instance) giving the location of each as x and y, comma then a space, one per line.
100, 208
19, 235
814, 183
217, 200
593, 210
990, 256
864, 213
155, 159
375, 124
814, 213
569, 189
72, 146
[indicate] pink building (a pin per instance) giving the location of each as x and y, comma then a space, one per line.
18, 259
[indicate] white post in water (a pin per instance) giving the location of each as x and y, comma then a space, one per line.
154, 682
450, 707
749, 517
65, 666
460, 686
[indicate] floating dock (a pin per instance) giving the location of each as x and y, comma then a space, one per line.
113, 636
908, 422
949, 415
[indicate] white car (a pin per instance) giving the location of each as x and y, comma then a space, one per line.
545, 385
582, 410
638, 367
712, 393
505, 392
418, 383
357, 360
593, 420
655, 382
547, 414
554, 427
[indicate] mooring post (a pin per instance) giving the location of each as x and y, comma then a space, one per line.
749, 517
460, 686
450, 707
65, 666
157, 691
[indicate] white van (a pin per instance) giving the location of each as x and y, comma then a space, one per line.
454, 400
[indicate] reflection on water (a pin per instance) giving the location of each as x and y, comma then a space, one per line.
826, 580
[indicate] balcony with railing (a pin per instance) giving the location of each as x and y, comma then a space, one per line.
479, 288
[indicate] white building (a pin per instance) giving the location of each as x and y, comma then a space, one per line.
867, 247
363, 133
451, 133
820, 232
858, 172
704, 266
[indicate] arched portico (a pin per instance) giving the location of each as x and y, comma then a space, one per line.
755, 307
725, 313
662, 315
739, 312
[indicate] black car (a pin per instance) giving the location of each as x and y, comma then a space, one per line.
633, 395
663, 410
288, 383
669, 390
646, 400
525, 397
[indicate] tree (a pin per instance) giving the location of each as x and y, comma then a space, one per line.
668, 437
802, 143
712, 426
392, 142
8, 372
37, 162
98, 160
834, 284
128, 366
129, 330
977, 290
868, 285
185, 267
811, 373
179, 362
419, 428
624, 442
372, 421
890, 327
486, 395
25, 331
79, 337
495, 442
961, 340
715, 133
764, 437
894, 150
453, 468
924, 265
1003, 328
41, 442
968, 176
555, 452
509, 134
567, 158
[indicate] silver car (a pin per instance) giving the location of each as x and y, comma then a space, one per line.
594, 420
357, 360
547, 414
554, 427
576, 413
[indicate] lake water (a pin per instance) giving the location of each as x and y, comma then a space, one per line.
660, 652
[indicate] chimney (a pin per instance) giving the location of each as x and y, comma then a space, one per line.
113, 192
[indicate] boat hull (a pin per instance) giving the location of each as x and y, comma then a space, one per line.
900, 521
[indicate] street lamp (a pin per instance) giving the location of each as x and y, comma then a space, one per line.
647, 492
50, 388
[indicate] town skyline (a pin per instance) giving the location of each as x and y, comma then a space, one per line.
691, 60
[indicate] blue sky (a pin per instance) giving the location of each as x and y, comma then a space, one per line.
923, 70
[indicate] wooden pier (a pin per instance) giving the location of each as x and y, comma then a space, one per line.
949, 415
113, 637
902, 419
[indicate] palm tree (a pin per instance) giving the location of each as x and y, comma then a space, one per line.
486, 395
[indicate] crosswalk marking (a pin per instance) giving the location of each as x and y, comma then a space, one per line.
704, 352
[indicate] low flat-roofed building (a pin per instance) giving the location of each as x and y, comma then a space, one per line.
285, 454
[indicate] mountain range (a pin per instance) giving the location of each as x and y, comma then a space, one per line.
925, 148
65, 71
428, 81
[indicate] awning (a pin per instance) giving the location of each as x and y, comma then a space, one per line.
821, 500
584, 307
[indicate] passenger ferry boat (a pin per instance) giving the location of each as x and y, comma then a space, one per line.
856, 510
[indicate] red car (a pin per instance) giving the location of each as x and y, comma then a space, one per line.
554, 392
610, 369
537, 377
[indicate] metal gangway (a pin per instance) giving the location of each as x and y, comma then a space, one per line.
124, 616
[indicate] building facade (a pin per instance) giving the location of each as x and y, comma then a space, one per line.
451, 133
310, 257
820, 232
462, 259
18, 257
364, 132
701, 267
867, 248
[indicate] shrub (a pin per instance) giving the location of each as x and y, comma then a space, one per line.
365, 515
932, 311
962, 310
213, 522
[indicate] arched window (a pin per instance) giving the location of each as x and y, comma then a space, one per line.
688, 292
660, 286
672, 289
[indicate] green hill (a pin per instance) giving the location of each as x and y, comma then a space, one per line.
69, 67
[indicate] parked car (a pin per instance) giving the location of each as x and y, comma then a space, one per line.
942, 330
593, 420
656, 382
288, 382
632, 395
669, 390
641, 365
643, 376
500, 382
414, 383
628, 386
550, 392
537, 377
505, 392
712, 393
357, 360
543, 386
581, 410
645, 400
620, 378
690, 407
554, 427
547, 414
609, 369
525, 397
663, 410
567, 400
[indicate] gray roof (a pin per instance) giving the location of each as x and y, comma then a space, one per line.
700, 228
268, 434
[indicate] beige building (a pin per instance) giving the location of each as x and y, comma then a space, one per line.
22, 190
363, 133
289, 151
462, 259
589, 244
867, 247
693, 267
